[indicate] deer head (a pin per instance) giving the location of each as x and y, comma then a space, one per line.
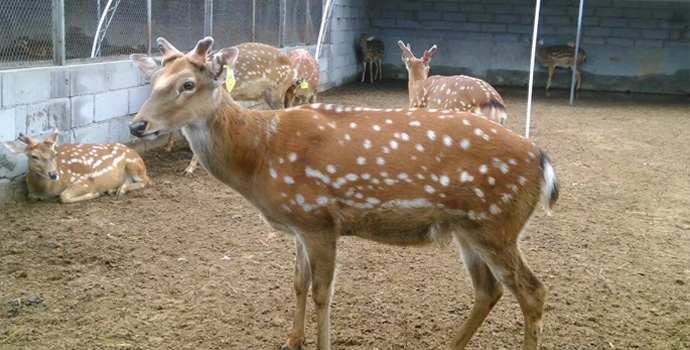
184, 88
416, 66
42, 155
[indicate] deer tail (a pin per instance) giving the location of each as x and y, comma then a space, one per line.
549, 188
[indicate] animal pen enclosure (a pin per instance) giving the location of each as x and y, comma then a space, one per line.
188, 263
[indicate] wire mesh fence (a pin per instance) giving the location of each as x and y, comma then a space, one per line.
32, 32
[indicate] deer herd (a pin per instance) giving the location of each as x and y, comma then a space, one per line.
444, 168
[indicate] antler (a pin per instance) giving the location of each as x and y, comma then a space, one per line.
429, 52
30, 142
198, 55
405, 49
167, 49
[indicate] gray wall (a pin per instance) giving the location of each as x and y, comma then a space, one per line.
95, 102
638, 46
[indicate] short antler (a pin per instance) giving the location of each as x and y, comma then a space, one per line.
405, 49
30, 142
198, 55
167, 49
428, 53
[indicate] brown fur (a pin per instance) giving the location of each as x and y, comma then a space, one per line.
314, 172
372, 51
459, 92
561, 56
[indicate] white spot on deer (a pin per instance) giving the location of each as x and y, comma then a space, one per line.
418, 203
366, 144
483, 169
402, 176
512, 161
466, 123
466, 177
361, 160
404, 137
415, 123
288, 180
429, 189
419, 147
353, 125
292, 157
447, 140
330, 168
506, 197
347, 137
513, 188
389, 182
494, 209
444, 180
389, 121
376, 128
531, 155
522, 180
321, 201
394, 144
420, 176
373, 201
351, 177
380, 161
465, 144
434, 178
478, 192
492, 181
503, 167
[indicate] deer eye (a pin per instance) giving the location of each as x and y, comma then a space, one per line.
34, 157
188, 85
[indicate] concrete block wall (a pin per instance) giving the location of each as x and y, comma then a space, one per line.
637, 46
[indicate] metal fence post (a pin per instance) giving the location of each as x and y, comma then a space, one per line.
59, 32
148, 27
208, 18
281, 27
253, 35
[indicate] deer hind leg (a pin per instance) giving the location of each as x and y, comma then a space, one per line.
137, 172
380, 70
171, 142
487, 292
301, 283
551, 69
371, 71
510, 269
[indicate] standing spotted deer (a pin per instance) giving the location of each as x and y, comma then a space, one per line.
262, 73
306, 71
397, 176
458, 92
561, 56
372, 51
78, 172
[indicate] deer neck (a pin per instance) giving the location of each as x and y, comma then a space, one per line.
230, 143
414, 83
40, 186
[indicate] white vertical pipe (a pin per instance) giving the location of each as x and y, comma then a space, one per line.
98, 29
531, 68
577, 50
322, 29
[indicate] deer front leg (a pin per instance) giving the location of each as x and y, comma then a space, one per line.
364, 69
301, 282
77, 193
171, 141
380, 70
321, 251
371, 71
189, 170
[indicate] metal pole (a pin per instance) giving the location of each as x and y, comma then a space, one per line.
322, 28
282, 31
98, 29
577, 50
253, 36
59, 32
531, 68
148, 27
208, 18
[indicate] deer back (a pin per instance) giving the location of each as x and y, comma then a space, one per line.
306, 69
560, 55
261, 67
459, 92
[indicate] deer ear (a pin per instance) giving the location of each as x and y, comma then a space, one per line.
51, 139
17, 147
221, 59
198, 55
146, 64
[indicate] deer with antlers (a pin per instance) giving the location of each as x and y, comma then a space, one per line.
306, 86
459, 92
261, 73
396, 176
78, 172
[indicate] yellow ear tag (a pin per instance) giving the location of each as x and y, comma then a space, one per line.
229, 78
304, 85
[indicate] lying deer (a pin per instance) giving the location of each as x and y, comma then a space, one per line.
372, 51
561, 56
397, 176
458, 92
306, 85
262, 73
78, 172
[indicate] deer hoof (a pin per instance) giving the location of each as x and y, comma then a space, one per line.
121, 191
296, 347
188, 173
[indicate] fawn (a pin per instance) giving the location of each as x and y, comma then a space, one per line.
372, 51
396, 176
561, 56
458, 92
306, 86
78, 172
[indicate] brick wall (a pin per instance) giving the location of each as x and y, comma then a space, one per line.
639, 46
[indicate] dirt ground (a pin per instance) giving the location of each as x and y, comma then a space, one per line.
188, 264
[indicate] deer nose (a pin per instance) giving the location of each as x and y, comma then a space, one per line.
137, 129
53, 175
